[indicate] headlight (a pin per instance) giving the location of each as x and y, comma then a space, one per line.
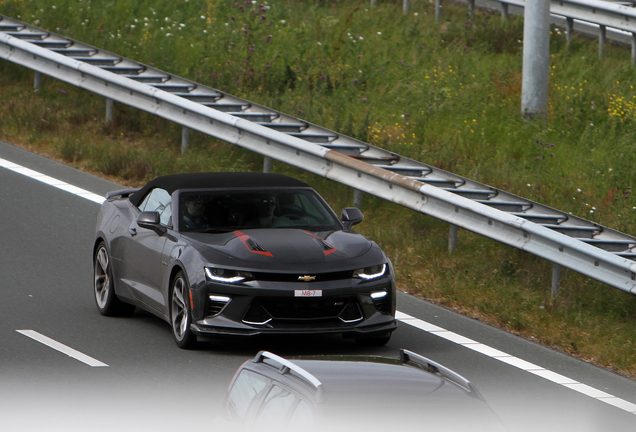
226, 276
369, 273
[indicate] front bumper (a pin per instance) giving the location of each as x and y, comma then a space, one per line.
349, 307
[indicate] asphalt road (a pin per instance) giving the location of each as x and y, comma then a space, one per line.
147, 383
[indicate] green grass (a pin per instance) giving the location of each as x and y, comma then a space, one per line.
446, 93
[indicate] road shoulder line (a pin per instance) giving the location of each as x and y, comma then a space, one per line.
51, 181
517, 362
51, 343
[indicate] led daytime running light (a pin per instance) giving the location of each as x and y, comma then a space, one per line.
361, 273
378, 295
231, 279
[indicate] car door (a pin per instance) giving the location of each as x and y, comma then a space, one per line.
142, 250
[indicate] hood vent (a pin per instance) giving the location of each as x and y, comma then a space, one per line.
254, 246
323, 244
251, 244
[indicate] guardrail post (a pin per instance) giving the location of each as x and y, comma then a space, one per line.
452, 238
569, 30
110, 104
504, 12
633, 49
601, 40
185, 139
438, 9
267, 165
556, 279
357, 198
405, 6
471, 9
536, 59
37, 80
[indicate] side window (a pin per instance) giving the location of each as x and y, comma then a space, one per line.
158, 200
166, 214
277, 408
246, 388
302, 418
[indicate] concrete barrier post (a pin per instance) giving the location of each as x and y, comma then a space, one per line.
267, 165
633, 49
452, 238
569, 29
185, 139
536, 59
504, 12
37, 80
602, 37
110, 106
556, 279
357, 198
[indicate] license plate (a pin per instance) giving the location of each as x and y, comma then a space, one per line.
307, 293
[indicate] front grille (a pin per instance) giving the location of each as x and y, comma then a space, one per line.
343, 309
300, 309
293, 277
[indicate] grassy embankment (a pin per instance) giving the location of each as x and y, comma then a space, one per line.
447, 94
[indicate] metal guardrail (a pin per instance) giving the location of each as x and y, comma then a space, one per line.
588, 248
615, 15
602, 13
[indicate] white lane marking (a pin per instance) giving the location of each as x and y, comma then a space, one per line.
517, 362
51, 181
407, 319
62, 348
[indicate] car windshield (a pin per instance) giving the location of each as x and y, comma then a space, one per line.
213, 211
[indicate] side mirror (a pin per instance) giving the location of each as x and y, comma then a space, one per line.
351, 216
151, 220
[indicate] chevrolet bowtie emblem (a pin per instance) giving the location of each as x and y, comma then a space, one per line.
306, 278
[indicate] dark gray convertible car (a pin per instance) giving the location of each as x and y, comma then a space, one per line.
240, 254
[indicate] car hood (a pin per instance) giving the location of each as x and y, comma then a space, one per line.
288, 248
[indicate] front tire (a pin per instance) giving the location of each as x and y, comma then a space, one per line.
107, 302
180, 315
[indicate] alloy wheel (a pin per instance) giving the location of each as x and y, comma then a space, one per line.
179, 309
102, 278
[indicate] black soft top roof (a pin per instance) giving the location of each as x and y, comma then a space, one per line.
212, 180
